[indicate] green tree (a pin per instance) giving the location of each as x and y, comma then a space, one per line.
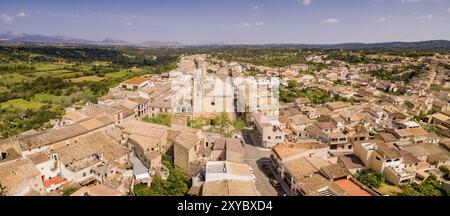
430, 187
177, 184
370, 179
161, 118
69, 191
445, 171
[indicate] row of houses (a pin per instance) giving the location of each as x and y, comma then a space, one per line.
347, 139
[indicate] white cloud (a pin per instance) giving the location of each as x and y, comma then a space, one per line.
256, 7
250, 25
331, 21
260, 23
305, 2
128, 24
448, 10
382, 20
5, 18
425, 17
245, 24
21, 14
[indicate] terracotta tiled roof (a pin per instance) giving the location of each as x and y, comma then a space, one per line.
53, 181
351, 188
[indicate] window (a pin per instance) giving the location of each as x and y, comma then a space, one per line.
388, 160
377, 158
268, 137
84, 174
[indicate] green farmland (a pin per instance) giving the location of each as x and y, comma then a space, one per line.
38, 83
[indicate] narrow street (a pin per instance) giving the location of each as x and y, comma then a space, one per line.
255, 157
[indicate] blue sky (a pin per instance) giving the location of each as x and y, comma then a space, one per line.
232, 21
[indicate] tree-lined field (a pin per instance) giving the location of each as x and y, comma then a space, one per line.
37, 83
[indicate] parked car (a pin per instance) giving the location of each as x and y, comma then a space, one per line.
269, 173
275, 183
265, 166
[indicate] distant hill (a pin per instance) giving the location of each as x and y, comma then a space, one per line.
420, 44
114, 41
35, 38
161, 43
432, 44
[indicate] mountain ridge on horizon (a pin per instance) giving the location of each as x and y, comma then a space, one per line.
37, 38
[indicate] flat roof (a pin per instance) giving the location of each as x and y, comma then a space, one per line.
232, 168
351, 161
286, 150
389, 153
229, 188
39, 158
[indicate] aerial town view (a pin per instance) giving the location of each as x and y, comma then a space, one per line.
247, 98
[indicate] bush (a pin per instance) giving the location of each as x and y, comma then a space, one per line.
430, 187
161, 118
177, 183
69, 191
445, 171
370, 179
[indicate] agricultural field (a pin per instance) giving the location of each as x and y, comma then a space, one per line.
87, 78
21, 104
3, 89
13, 78
38, 83
129, 72
119, 74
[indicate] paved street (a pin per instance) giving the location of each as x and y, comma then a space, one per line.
255, 156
